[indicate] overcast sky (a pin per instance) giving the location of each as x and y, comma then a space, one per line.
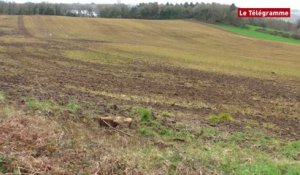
295, 4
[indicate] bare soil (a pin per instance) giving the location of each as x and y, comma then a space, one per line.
53, 76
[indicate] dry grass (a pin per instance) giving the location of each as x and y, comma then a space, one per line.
36, 145
27, 144
196, 45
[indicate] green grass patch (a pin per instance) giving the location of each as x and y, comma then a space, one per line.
150, 127
292, 150
230, 158
145, 115
220, 118
147, 132
73, 106
3, 168
46, 106
2, 97
223, 157
42, 106
266, 167
251, 32
243, 153
253, 137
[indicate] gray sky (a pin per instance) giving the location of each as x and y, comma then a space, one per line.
294, 4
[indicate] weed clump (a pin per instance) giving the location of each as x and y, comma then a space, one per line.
42, 106
145, 115
220, 118
73, 106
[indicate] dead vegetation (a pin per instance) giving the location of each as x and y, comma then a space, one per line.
28, 143
36, 145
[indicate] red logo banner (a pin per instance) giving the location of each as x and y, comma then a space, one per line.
264, 12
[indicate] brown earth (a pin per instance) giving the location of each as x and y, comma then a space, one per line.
58, 78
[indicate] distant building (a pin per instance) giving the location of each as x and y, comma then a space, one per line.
83, 13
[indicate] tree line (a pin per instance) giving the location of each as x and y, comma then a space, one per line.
212, 13
12, 8
206, 12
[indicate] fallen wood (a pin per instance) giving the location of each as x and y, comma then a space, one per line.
118, 130
114, 121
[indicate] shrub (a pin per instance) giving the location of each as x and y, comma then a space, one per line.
145, 115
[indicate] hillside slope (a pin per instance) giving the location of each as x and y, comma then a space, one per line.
203, 100
195, 44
